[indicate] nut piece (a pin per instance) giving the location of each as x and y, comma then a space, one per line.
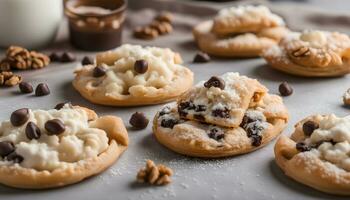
20, 58
301, 52
346, 97
146, 33
162, 27
9, 79
154, 174
164, 17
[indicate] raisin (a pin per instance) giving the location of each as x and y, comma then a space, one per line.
256, 140
168, 123
309, 127
216, 134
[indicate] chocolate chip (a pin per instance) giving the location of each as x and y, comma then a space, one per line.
87, 61
199, 117
216, 134
256, 140
168, 123
221, 113
201, 57
285, 89
138, 120
309, 127
67, 57
25, 87
19, 117
14, 157
141, 66
187, 105
301, 146
54, 57
32, 131
215, 81
254, 128
42, 90
200, 108
59, 106
55, 127
6, 148
99, 71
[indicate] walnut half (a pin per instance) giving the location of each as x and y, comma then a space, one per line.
154, 174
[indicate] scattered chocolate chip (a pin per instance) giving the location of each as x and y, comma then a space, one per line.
201, 57
138, 120
187, 105
14, 157
168, 123
216, 134
42, 90
309, 127
59, 106
67, 57
99, 71
200, 108
55, 127
221, 113
87, 61
54, 57
215, 81
32, 131
19, 117
301, 146
199, 117
285, 89
141, 66
165, 110
256, 140
6, 148
25, 87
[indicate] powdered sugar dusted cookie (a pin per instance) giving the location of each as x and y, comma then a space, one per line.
242, 19
259, 125
317, 154
222, 100
134, 75
45, 149
243, 31
311, 53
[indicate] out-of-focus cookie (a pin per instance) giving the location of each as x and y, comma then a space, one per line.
222, 100
312, 54
237, 45
45, 149
226, 117
134, 75
317, 154
243, 19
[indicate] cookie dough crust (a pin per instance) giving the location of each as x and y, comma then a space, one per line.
307, 168
19, 177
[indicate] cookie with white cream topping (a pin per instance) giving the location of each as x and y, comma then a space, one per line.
45, 149
134, 75
317, 153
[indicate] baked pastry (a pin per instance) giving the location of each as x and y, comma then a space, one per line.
243, 31
317, 154
311, 53
261, 121
134, 75
45, 149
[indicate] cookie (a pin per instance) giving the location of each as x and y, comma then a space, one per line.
260, 125
243, 19
133, 75
221, 100
235, 45
317, 153
311, 54
46, 149
224, 116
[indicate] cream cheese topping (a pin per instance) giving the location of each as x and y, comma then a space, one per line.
49, 152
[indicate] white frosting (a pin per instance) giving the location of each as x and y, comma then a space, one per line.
316, 39
78, 142
91, 10
121, 78
337, 130
251, 12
